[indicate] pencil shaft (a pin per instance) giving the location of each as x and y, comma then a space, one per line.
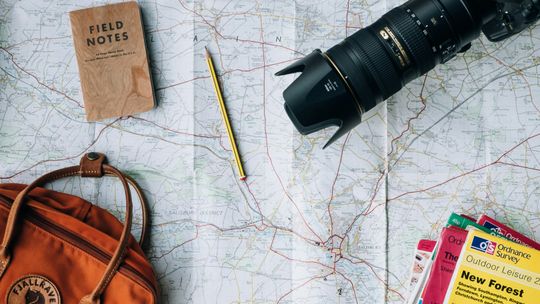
225, 116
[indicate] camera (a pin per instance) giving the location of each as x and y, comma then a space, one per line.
336, 87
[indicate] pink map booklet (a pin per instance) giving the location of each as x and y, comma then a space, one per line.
449, 248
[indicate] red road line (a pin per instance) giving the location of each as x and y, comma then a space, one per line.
333, 188
177, 246
181, 82
39, 81
519, 166
173, 131
66, 158
468, 172
423, 100
300, 286
352, 285
295, 260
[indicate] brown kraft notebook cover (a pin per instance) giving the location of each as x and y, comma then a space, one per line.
113, 64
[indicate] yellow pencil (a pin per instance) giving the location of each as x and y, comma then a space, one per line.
225, 115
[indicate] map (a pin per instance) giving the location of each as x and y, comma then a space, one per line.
308, 225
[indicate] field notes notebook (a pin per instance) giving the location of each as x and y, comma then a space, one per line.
113, 65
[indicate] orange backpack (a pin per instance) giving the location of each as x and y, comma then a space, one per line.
58, 248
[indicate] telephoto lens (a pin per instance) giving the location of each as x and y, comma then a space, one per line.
338, 86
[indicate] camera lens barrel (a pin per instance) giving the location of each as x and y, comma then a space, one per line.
375, 62
402, 45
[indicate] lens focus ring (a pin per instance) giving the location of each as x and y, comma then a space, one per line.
371, 52
413, 38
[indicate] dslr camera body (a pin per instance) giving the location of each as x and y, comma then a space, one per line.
338, 86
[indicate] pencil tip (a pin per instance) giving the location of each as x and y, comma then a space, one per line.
207, 52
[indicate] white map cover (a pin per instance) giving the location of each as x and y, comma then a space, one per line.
309, 225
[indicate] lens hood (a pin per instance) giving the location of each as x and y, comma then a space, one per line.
320, 97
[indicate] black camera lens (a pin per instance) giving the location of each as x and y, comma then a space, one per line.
337, 87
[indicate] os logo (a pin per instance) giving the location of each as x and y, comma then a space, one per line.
483, 245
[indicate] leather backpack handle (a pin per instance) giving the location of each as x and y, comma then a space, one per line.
144, 208
92, 165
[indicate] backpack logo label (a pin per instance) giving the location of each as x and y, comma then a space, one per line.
33, 289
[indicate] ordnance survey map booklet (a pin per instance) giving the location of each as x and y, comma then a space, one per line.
313, 226
491, 269
507, 232
448, 250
